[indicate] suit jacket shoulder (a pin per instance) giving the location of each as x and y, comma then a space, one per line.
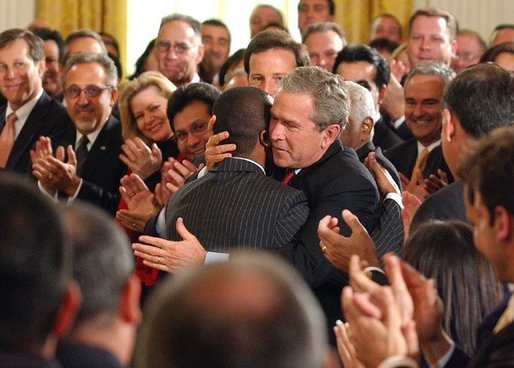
445, 204
48, 117
403, 156
236, 206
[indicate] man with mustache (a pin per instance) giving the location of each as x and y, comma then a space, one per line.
85, 164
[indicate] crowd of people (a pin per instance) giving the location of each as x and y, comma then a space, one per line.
295, 204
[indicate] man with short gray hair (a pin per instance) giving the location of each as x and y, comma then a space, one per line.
323, 41
92, 170
179, 49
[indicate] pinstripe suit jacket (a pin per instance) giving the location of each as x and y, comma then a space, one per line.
236, 206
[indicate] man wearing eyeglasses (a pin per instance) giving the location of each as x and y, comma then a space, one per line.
30, 111
85, 164
179, 49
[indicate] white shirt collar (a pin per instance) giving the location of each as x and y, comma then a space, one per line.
252, 161
430, 147
23, 112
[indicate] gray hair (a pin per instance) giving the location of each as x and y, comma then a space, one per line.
81, 33
435, 68
90, 57
324, 27
330, 97
362, 105
176, 17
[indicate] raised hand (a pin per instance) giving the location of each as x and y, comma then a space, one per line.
141, 159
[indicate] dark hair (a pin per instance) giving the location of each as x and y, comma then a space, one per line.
110, 40
81, 33
49, 34
500, 27
451, 22
218, 23
102, 260
384, 44
186, 95
284, 329
231, 61
275, 39
390, 16
482, 98
140, 62
244, 112
360, 52
35, 264
465, 280
489, 170
35, 44
492, 53
331, 6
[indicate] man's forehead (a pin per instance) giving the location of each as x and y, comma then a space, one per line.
177, 29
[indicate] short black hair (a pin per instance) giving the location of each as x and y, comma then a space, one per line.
232, 60
244, 112
186, 95
360, 52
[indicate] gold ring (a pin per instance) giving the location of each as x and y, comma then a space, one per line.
324, 249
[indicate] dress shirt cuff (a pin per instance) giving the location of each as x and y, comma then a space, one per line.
213, 257
446, 357
160, 225
398, 122
72, 198
53, 197
395, 197
397, 361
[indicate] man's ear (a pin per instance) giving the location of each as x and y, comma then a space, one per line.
130, 310
448, 131
264, 138
114, 96
503, 223
366, 128
68, 309
381, 94
41, 67
330, 134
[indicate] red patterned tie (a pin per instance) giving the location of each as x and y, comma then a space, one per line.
288, 176
7, 138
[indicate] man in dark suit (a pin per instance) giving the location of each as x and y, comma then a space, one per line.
421, 156
103, 334
478, 100
488, 176
30, 111
92, 170
357, 134
235, 205
39, 297
364, 65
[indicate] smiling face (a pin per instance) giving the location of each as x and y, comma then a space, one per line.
267, 68
179, 51
323, 48
216, 41
191, 131
20, 76
52, 76
429, 39
149, 111
89, 113
423, 115
296, 141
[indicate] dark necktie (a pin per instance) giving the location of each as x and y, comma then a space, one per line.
81, 153
288, 176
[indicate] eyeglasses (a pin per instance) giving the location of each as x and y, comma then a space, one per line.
90, 90
179, 48
198, 128
468, 56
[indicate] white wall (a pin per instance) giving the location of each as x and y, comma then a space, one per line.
16, 14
